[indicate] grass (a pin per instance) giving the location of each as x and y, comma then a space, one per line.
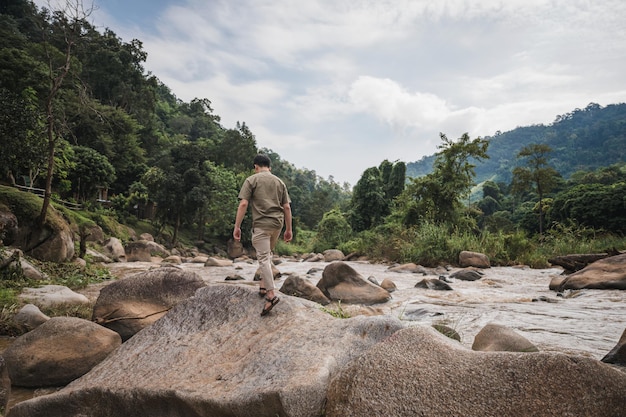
337, 312
13, 281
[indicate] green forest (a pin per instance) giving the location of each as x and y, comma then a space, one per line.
83, 121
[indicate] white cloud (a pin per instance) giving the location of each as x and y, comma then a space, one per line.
338, 86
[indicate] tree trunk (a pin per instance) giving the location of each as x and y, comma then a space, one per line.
50, 171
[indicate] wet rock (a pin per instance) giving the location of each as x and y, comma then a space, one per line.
433, 284
389, 285
211, 261
297, 286
467, 275
341, 282
617, 355
605, 274
315, 257
496, 338
409, 268
234, 278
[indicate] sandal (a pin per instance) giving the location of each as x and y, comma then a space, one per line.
262, 292
273, 302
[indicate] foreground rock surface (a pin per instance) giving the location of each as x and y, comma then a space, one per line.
419, 372
214, 355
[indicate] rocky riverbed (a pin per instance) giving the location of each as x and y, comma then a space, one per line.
583, 322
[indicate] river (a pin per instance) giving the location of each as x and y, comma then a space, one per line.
584, 322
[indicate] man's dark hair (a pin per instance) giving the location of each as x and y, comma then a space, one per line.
262, 160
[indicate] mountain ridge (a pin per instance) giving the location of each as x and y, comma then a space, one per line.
584, 139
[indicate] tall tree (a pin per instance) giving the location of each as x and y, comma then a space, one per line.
438, 195
536, 175
67, 23
368, 205
89, 171
21, 130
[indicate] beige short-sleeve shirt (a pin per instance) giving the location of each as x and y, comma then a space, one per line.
266, 194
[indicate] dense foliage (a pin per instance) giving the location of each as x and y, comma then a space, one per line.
79, 114
582, 140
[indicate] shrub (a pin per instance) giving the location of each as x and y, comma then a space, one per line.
332, 231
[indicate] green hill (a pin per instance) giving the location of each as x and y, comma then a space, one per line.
584, 139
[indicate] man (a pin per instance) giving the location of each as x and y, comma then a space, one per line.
268, 196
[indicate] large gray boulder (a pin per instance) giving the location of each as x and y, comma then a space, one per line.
341, 282
131, 304
58, 351
420, 372
605, 274
214, 355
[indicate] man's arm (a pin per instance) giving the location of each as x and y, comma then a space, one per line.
241, 212
288, 235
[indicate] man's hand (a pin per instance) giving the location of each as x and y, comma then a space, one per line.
288, 235
237, 233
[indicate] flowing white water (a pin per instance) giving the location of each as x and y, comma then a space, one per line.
586, 322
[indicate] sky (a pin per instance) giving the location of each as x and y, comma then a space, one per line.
338, 86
